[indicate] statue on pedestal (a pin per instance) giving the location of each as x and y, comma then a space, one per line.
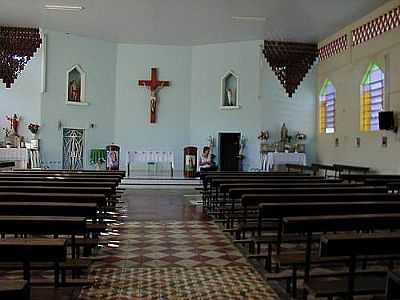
14, 121
284, 134
12, 137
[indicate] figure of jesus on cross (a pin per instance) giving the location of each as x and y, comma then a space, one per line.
154, 85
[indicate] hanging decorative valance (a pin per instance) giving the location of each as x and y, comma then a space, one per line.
17, 47
290, 62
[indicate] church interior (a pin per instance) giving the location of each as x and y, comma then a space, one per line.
199, 150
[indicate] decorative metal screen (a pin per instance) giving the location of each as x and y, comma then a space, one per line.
73, 143
290, 62
376, 27
333, 48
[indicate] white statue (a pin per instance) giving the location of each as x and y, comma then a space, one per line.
230, 93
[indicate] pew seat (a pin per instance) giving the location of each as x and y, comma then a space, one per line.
14, 290
364, 284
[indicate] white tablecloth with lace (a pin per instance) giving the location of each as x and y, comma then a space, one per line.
19, 155
282, 158
135, 157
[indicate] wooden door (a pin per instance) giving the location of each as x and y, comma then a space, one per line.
229, 151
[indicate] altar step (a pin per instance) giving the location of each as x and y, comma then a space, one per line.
150, 182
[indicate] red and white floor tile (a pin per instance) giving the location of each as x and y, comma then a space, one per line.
172, 260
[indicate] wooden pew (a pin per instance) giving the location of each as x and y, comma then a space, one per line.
313, 224
15, 290
57, 189
354, 245
44, 225
253, 201
392, 289
208, 178
34, 250
340, 168
301, 169
215, 184
87, 210
114, 180
323, 168
51, 171
98, 199
231, 208
364, 177
57, 183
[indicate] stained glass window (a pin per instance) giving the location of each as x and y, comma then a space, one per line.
327, 108
372, 94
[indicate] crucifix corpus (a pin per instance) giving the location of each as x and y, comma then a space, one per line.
154, 85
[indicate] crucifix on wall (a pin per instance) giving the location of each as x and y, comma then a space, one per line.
154, 85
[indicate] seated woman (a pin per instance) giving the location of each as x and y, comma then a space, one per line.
205, 162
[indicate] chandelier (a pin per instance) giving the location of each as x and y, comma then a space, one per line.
17, 47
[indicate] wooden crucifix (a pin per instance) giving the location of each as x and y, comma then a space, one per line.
154, 85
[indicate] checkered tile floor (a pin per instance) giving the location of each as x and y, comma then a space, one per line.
205, 283
172, 244
172, 260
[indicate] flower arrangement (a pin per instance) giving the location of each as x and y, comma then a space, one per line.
300, 136
34, 128
264, 135
7, 132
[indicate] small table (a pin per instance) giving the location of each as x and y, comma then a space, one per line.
270, 159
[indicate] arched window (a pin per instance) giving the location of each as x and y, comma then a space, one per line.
327, 108
372, 93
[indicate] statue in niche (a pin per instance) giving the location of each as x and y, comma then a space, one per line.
230, 93
75, 91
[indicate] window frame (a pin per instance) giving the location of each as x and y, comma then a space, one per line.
367, 86
324, 101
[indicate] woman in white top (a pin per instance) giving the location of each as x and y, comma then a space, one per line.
205, 159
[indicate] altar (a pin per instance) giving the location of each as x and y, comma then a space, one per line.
150, 157
18, 155
270, 159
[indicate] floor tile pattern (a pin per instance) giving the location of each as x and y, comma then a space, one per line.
170, 244
203, 283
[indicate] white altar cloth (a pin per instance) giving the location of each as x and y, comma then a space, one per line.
282, 158
19, 155
151, 157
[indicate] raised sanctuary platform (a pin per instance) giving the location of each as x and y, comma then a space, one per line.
143, 181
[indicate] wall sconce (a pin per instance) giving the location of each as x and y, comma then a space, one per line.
92, 125
59, 125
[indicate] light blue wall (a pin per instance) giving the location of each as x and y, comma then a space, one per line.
188, 111
297, 112
23, 98
98, 59
264, 104
133, 130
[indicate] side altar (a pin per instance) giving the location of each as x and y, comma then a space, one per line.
288, 150
15, 149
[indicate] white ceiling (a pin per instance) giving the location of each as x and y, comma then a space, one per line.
190, 22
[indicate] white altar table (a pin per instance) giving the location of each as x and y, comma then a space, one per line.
18, 155
151, 157
281, 158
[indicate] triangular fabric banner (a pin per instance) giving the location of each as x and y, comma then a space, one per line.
290, 62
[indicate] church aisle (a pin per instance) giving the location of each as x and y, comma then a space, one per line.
150, 256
